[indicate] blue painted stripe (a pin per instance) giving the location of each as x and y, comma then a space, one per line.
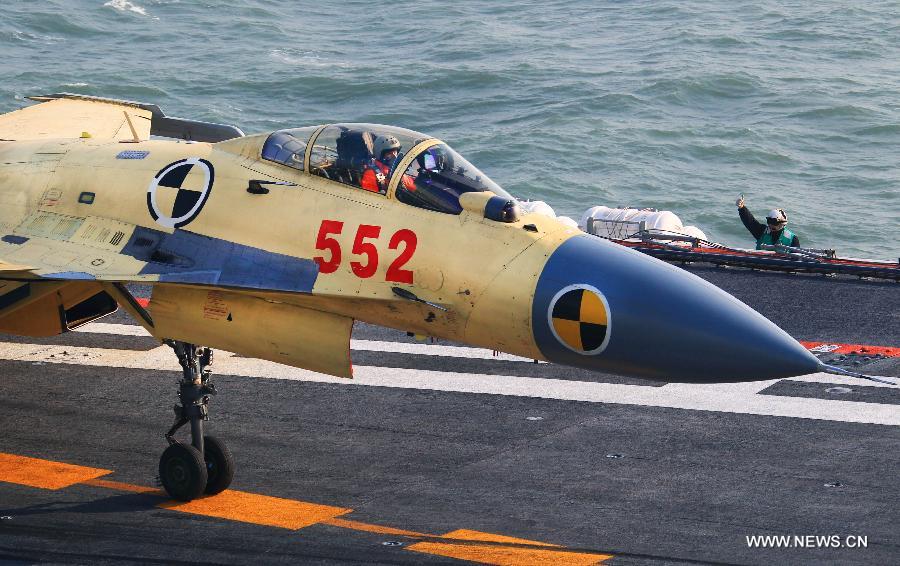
70, 275
186, 257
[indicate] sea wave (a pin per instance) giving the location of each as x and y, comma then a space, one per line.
849, 111
695, 88
681, 105
27, 37
306, 59
126, 6
881, 130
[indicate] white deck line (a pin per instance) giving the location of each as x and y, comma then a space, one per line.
452, 351
106, 328
741, 398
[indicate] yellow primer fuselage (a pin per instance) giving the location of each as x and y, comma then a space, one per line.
473, 267
276, 257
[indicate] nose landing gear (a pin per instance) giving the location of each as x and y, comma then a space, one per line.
206, 465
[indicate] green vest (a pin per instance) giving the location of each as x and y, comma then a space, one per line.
784, 239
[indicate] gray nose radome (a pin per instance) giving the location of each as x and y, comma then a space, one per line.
602, 306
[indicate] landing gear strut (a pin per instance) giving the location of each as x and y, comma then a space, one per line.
205, 465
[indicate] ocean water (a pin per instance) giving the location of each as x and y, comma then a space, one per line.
680, 105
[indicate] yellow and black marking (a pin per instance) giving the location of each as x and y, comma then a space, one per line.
580, 320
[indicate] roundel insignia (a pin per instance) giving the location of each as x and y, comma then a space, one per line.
579, 319
178, 192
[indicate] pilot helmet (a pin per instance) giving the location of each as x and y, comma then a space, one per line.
776, 218
385, 143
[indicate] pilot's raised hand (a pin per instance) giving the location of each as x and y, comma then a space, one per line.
740, 201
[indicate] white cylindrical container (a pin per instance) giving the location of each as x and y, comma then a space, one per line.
537, 207
568, 221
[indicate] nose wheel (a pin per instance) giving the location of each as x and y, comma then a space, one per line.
219, 465
206, 465
183, 472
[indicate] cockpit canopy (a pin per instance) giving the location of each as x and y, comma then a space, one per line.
370, 157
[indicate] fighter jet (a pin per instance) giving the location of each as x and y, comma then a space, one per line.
272, 245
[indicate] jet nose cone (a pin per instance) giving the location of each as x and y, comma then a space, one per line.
602, 306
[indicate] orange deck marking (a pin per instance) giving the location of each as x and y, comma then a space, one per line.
505, 555
258, 509
465, 534
290, 514
44, 474
369, 528
859, 349
119, 486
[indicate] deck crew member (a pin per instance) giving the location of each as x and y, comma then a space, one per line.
772, 232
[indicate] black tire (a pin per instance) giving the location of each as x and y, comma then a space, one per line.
182, 472
219, 465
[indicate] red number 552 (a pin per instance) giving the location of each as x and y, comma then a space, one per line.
404, 240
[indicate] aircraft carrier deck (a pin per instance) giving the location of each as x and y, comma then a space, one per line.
438, 454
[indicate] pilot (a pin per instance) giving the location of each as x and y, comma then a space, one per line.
772, 232
375, 177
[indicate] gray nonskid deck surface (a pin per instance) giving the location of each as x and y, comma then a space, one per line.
814, 307
686, 484
650, 485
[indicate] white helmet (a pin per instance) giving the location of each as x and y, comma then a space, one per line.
776, 218
385, 143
